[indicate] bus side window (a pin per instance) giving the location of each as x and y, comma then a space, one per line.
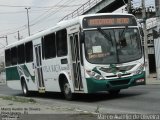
21, 54
48, 46
14, 56
29, 52
8, 57
61, 41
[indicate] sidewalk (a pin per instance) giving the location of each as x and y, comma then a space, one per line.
152, 81
22, 108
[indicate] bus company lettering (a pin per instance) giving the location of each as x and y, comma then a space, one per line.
55, 68
65, 67
51, 68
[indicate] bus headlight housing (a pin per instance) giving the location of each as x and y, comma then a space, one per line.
139, 70
94, 75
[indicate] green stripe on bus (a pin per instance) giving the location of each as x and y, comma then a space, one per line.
27, 73
12, 73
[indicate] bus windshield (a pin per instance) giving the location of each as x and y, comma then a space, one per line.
110, 46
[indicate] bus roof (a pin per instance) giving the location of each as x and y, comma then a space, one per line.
60, 25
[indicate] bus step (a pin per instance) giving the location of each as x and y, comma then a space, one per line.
41, 89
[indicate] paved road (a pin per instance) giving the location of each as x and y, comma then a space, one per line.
139, 99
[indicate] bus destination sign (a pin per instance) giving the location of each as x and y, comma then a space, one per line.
109, 21
106, 21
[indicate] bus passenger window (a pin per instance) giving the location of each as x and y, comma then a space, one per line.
8, 57
48, 46
21, 54
61, 40
29, 52
14, 56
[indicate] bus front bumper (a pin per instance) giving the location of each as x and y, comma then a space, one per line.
94, 85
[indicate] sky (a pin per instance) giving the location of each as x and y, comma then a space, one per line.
42, 15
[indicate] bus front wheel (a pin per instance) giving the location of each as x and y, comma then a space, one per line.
67, 91
25, 89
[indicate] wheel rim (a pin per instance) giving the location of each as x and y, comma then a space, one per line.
24, 89
67, 89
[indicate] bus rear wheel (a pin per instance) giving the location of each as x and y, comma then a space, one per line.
25, 89
67, 91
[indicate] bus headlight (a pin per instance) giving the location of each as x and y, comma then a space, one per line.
94, 75
139, 70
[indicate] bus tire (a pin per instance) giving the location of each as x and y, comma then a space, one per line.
67, 91
25, 90
114, 92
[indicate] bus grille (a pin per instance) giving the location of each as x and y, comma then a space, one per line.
118, 69
119, 82
117, 76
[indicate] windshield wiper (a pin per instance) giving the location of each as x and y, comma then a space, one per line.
105, 35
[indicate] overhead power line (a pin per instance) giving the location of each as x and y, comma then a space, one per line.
19, 12
48, 13
45, 16
22, 12
13, 32
40, 6
25, 26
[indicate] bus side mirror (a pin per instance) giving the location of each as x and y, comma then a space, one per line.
82, 36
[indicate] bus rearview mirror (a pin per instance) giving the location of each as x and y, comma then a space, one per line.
141, 31
82, 36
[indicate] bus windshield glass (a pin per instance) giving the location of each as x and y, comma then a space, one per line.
108, 46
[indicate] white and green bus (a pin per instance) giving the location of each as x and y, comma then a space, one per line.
88, 54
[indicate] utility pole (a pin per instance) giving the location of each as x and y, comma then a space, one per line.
6, 39
27, 8
157, 6
18, 36
129, 5
145, 38
156, 40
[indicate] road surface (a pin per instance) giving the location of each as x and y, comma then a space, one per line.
139, 99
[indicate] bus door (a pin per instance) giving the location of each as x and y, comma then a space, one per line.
38, 68
77, 74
